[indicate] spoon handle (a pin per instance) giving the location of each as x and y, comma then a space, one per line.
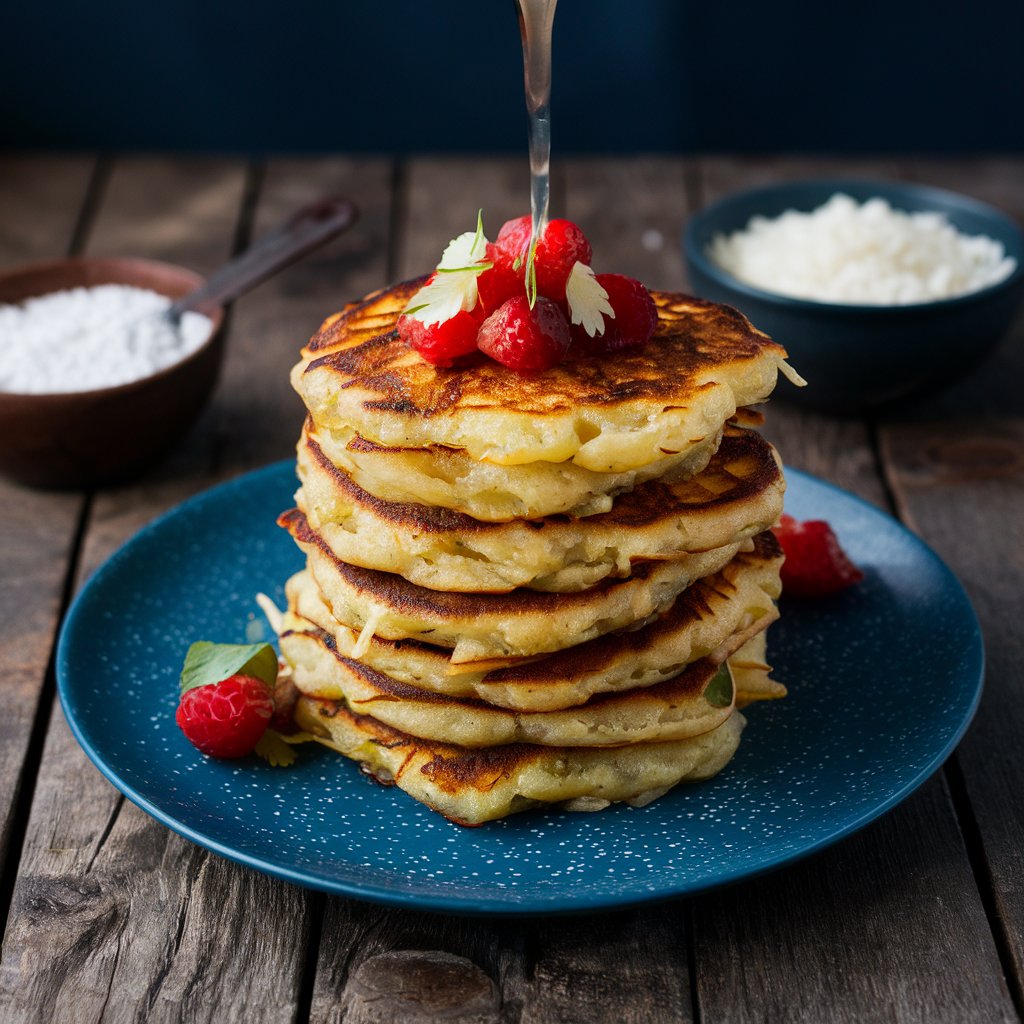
309, 228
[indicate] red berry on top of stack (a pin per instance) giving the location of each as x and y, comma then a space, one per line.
525, 339
528, 304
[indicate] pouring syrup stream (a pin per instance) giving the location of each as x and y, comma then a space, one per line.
536, 18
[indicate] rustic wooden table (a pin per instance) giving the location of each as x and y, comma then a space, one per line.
109, 916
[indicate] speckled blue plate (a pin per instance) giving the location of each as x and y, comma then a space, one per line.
883, 681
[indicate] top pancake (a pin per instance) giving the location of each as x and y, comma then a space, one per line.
609, 414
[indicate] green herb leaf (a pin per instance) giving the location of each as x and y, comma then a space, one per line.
478, 267
275, 751
207, 663
517, 262
479, 230
409, 310
720, 691
531, 274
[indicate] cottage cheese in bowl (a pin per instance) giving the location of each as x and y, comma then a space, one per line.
861, 253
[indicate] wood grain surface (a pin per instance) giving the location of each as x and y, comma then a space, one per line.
42, 200
113, 918
956, 467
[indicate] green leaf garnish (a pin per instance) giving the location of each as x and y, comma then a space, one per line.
720, 691
479, 229
517, 262
479, 267
409, 310
275, 750
207, 663
531, 274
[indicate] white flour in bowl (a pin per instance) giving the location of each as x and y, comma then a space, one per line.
864, 253
87, 338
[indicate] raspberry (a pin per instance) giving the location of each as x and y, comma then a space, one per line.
815, 564
497, 285
443, 343
526, 339
562, 245
513, 240
226, 719
635, 313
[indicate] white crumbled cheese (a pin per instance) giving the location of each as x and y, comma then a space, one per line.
866, 253
588, 301
87, 338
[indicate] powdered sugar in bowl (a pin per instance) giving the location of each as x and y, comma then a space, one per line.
82, 403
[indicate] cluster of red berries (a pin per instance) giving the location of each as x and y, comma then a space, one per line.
505, 327
815, 565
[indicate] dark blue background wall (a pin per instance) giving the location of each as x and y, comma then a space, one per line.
366, 75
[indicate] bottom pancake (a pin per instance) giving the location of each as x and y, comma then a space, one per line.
471, 787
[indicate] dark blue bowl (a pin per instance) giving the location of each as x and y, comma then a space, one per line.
857, 357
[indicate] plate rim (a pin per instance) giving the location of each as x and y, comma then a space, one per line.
565, 902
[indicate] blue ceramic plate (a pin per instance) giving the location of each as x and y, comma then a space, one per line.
883, 682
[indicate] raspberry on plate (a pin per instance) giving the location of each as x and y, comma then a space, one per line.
558, 250
815, 565
226, 719
443, 343
524, 339
635, 313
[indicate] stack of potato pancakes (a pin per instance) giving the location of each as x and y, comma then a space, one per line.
525, 590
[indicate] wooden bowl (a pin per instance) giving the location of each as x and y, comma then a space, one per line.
86, 438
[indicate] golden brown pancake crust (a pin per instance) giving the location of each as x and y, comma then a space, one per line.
452, 768
406, 597
744, 460
592, 656
360, 345
688, 685
691, 605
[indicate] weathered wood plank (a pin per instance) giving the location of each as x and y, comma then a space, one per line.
259, 415
731, 173
440, 199
797, 946
41, 199
886, 926
358, 951
114, 917
628, 967
956, 466
632, 210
